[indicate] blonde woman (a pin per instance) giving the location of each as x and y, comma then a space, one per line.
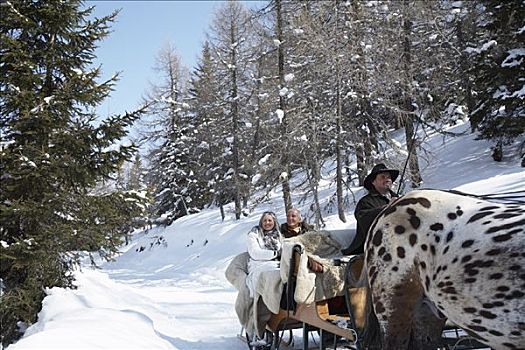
264, 248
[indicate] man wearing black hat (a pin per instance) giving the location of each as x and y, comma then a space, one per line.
379, 184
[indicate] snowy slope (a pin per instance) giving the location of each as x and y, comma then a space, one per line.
170, 292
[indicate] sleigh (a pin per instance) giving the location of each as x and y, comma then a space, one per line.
327, 321
325, 316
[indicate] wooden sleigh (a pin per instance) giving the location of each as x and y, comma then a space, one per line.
320, 316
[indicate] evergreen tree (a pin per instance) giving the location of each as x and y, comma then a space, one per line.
171, 126
54, 150
498, 70
205, 105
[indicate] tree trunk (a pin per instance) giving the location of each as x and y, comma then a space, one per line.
464, 64
282, 106
360, 161
415, 176
235, 126
338, 141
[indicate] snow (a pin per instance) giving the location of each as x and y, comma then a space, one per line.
256, 178
515, 58
167, 290
280, 115
483, 48
264, 159
289, 77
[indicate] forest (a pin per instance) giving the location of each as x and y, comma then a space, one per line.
290, 87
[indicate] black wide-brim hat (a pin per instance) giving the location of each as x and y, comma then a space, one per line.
379, 168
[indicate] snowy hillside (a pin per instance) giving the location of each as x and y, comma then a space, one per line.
167, 289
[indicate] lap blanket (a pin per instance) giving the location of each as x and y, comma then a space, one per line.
310, 286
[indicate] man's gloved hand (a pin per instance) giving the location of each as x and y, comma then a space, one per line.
315, 266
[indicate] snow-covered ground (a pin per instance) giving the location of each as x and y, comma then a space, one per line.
167, 289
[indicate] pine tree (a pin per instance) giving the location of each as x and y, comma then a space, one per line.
54, 150
205, 106
498, 67
172, 127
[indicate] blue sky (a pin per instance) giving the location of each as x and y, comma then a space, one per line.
141, 30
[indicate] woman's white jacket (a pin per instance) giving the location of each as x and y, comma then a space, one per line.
256, 247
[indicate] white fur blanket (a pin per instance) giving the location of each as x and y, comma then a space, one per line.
310, 286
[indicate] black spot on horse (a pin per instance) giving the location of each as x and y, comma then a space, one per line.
387, 257
505, 237
450, 235
466, 258
415, 222
469, 310
467, 243
515, 295
496, 276
511, 225
470, 280
479, 216
488, 208
423, 265
450, 290
445, 250
424, 247
452, 216
401, 252
399, 229
487, 314
505, 216
378, 238
436, 227
412, 239
380, 308
381, 251
493, 252
410, 201
477, 328
495, 333
515, 268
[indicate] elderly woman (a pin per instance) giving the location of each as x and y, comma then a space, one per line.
264, 248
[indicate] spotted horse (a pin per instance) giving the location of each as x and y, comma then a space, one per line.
465, 255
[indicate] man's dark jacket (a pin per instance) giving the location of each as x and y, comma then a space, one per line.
287, 232
365, 212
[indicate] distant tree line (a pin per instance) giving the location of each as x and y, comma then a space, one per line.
297, 84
